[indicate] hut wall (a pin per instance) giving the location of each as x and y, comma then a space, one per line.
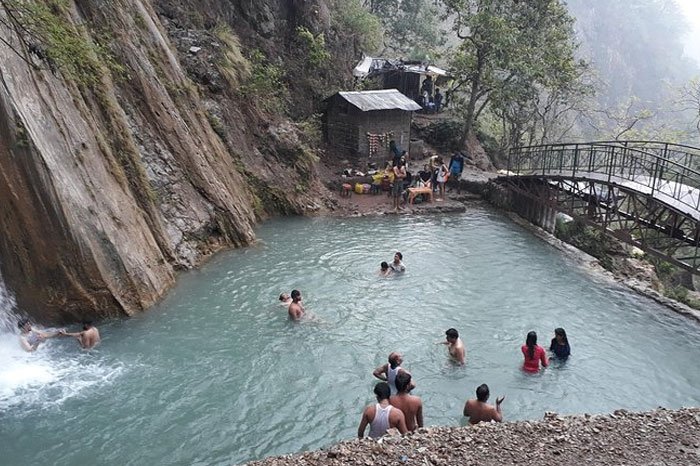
341, 125
397, 122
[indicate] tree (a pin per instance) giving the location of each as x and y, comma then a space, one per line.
510, 52
410, 26
689, 100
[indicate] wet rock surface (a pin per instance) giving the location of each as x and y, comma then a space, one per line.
660, 437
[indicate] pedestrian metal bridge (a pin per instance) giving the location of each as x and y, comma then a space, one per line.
645, 193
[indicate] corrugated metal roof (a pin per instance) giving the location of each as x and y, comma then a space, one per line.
385, 99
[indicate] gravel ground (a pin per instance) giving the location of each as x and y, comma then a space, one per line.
660, 437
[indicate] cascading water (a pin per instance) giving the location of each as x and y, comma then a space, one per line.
48, 376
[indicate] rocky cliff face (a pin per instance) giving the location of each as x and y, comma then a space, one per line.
117, 175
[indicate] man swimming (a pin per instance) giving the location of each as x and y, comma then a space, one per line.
88, 338
478, 410
296, 309
455, 346
30, 339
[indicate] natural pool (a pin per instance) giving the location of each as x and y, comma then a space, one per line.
216, 374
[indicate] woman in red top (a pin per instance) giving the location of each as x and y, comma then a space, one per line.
534, 354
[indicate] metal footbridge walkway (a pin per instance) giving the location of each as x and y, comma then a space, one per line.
646, 193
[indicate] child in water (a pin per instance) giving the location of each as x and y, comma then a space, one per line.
384, 270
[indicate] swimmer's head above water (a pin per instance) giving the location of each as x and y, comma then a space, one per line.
23, 324
384, 266
284, 297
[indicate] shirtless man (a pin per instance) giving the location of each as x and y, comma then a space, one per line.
455, 346
411, 406
296, 309
389, 371
478, 409
88, 338
30, 339
381, 416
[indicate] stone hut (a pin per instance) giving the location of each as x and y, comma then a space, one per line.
363, 123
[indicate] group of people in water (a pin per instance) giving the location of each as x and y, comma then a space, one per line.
30, 338
396, 407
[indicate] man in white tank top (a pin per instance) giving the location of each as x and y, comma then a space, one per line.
387, 372
381, 416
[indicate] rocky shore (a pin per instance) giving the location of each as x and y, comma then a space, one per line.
660, 437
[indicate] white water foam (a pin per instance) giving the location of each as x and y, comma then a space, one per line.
46, 377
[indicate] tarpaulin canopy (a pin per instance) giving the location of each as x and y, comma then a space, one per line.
369, 66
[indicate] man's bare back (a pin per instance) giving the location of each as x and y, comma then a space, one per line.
296, 311
412, 408
90, 338
479, 410
457, 351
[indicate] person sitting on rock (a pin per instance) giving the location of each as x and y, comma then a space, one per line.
478, 410
381, 416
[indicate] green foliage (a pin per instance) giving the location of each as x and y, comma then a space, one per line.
311, 130
315, 47
411, 27
266, 83
512, 53
352, 19
444, 134
45, 29
586, 238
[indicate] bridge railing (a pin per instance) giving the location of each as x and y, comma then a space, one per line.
665, 171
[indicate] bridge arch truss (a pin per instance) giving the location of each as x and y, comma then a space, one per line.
645, 193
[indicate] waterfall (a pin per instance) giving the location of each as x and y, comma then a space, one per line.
7, 305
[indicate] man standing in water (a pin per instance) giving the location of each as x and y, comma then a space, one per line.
30, 339
296, 309
411, 406
478, 409
381, 416
455, 346
88, 338
397, 265
389, 371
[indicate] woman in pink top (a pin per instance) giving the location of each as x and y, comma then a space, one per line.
534, 354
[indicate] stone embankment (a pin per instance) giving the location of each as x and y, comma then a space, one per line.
660, 437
